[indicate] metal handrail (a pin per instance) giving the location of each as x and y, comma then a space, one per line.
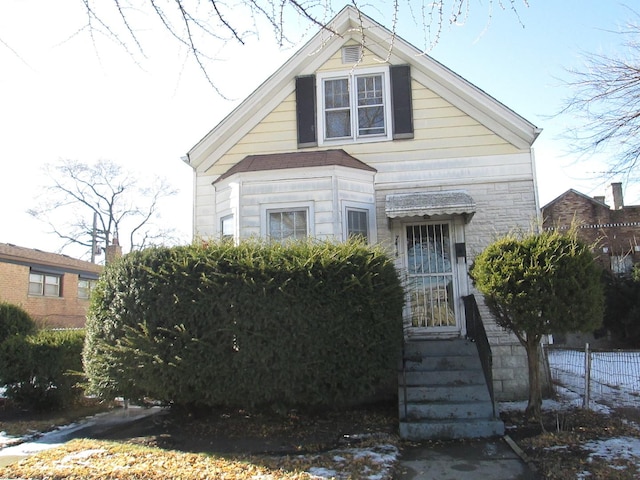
477, 334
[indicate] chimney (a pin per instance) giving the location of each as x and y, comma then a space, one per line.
599, 198
113, 251
616, 193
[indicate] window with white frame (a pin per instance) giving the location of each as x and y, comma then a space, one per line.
287, 224
85, 287
44, 284
358, 223
227, 228
355, 106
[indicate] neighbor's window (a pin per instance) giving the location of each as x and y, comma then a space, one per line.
85, 287
621, 264
287, 224
227, 228
44, 284
358, 223
355, 106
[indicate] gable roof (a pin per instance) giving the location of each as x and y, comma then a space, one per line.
350, 24
46, 261
579, 194
276, 161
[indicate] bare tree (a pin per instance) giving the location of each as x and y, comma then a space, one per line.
101, 203
606, 105
200, 26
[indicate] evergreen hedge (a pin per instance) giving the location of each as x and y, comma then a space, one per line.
302, 324
14, 320
43, 371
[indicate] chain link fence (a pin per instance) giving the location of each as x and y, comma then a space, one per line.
607, 377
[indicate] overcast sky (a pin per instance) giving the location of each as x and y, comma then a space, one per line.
66, 96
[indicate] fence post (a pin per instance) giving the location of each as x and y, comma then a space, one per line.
587, 376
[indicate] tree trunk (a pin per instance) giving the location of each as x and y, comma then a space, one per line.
534, 406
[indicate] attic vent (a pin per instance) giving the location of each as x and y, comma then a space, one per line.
351, 54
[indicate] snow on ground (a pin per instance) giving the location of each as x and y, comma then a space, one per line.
617, 384
615, 375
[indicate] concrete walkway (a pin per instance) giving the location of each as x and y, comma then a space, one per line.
88, 427
465, 460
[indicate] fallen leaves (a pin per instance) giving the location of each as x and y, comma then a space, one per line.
95, 459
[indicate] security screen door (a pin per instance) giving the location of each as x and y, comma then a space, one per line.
431, 284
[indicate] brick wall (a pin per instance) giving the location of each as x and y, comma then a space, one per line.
611, 232
65, 310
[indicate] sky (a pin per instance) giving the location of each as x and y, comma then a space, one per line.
67, 95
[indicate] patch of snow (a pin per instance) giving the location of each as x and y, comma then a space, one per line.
82, 455
382, 455
7, 439
627, 448
322, 473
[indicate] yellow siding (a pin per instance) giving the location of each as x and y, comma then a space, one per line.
441, 131
335, 62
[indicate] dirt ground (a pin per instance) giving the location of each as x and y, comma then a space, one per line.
554, 445
222, 431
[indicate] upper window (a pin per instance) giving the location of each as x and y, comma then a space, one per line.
85, 287
360, 105
287, 224
44, 284
355, 106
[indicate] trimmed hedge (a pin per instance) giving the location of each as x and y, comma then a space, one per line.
43, 371
14, 320
304, 324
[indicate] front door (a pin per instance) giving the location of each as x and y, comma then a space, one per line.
431, 279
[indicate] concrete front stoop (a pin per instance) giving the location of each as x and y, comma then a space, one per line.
443, 393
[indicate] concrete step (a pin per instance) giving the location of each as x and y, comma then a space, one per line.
445, 393
442, 363
438, 348
451, 429
434, 377
447, 411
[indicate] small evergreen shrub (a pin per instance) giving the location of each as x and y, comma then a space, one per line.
42, 371
303, 324
14, 320
622, 312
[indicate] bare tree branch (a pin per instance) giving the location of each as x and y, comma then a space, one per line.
606, 104
124, 206
193, 24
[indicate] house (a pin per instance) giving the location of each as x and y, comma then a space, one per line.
613, 233
54, 289
355, 136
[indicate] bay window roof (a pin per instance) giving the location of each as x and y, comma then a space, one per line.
276, 161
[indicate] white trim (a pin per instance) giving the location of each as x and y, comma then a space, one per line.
351, 76
234, 229
267, 208
371, 219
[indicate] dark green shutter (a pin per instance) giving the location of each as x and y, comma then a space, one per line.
401, 101
306, 111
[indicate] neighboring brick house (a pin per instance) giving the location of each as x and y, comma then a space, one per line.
613, 232
53, 288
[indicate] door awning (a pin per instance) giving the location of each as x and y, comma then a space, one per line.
430, 204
